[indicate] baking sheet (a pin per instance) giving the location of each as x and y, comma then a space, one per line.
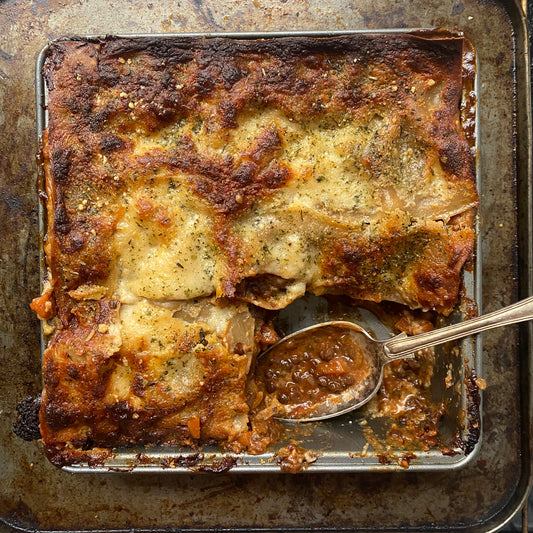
479, 497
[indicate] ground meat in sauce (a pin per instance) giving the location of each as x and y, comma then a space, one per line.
307, 370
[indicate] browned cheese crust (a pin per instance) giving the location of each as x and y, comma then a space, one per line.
191, 181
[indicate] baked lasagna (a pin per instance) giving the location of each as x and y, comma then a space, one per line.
196, 186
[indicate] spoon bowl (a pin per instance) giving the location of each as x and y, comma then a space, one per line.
332, 368
342, 367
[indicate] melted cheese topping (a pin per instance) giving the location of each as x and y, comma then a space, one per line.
165, 245
368, 176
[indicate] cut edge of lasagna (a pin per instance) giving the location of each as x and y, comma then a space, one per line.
195, 185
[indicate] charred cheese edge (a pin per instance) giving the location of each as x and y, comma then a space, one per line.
191, 182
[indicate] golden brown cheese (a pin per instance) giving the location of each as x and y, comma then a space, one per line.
188, 177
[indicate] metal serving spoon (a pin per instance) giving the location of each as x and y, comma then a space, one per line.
377, 353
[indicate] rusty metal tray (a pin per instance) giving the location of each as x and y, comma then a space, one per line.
481, 496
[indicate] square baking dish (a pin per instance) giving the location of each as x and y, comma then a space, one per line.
355, 442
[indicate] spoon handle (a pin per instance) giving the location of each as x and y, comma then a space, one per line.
517, 312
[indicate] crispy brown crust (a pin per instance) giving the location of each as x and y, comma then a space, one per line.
298, 75
356, 268
79, 412
106, 94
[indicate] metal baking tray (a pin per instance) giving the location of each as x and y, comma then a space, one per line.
356, 442
482, 496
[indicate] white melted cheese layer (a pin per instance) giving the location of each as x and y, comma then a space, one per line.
361, 175
169, 339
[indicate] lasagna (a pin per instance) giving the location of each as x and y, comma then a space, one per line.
197, 186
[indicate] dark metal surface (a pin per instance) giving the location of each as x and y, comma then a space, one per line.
482, 496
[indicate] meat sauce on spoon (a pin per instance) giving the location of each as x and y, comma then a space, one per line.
332, 368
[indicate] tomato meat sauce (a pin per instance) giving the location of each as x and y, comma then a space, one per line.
309, 369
